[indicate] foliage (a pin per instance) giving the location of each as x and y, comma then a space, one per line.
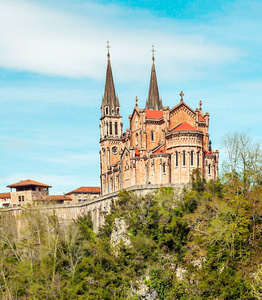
203, 243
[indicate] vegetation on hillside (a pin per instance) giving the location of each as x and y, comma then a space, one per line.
204, 243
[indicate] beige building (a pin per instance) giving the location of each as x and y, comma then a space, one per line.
84, 194
27, 191
161, 146
53, 199
5, 200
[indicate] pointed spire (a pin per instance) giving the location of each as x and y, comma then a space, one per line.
153, 101
110, 100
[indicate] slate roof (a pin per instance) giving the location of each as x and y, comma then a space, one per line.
153, 101
110, 99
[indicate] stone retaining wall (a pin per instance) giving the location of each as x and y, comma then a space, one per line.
97, 208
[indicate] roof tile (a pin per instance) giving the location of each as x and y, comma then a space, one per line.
201, 119
154, 114
184, 126
86, 189
27, 183
5, 195
54, 198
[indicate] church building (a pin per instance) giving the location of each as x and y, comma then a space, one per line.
162, 145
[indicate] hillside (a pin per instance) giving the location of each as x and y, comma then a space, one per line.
204, 243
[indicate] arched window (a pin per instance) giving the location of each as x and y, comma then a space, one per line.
152, 136
116, 129
176, 159
164, 168
117, 110
110, 128
108, 157
192, 158
107, 110
198, 159
209, 169
184, 158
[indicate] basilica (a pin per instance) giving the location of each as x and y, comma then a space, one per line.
162, 145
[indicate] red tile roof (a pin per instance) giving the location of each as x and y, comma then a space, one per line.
137, 152
5, 195
159, 151
184, 126
28, 182
207, 152
86, 189
154, 114
54, 198
201, 119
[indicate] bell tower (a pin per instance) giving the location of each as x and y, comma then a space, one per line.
111, 120
111, 131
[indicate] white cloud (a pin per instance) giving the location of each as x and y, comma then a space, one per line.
77, 97
40, 39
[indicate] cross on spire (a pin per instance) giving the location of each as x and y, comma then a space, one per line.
107, 46
153, 52
181, 95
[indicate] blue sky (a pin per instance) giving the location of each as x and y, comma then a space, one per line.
52, 72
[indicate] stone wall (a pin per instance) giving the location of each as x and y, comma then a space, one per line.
96, 208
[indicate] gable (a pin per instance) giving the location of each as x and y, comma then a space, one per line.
184, 126
125, 153
135, 120
182, 113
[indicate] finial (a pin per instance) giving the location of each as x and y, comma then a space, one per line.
181, 95
200, 105
107, 46
153, 53
136, 101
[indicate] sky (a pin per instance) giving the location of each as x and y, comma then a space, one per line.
53, 60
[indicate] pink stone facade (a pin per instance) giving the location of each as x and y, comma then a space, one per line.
161, 146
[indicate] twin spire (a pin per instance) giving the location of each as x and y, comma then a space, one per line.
153, 101
110, 104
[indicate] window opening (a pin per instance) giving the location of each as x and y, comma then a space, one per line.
152, 136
